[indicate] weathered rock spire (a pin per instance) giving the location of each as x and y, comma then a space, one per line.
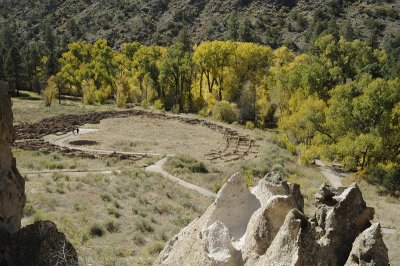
12, 185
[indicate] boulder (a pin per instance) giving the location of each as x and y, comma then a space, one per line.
37, 244
341, 216
369, 248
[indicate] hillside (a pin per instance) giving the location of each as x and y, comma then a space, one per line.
272, 22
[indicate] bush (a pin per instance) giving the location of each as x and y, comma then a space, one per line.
106, 197
189, 164
248, 177
51, 92
122, 92
101, 96
113, 211
250, 125
144, 226
96, 230
277, 168
120, 99
308, 154
88, 93
139, 240
155, 248
29, 210
387, 176
226, 112
112, 226
158, 104
284, 142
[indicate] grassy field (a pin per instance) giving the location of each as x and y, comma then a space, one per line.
126, 217
31, 108
119, 219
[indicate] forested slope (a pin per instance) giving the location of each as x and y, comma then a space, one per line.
272, 22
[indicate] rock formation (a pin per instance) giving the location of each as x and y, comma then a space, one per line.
36, 244
265, 225
12, 185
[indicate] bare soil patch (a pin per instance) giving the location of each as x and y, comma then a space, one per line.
83, 142
143, 131
154, 135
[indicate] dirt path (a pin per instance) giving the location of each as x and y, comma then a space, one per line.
158, 168
333, 176
63, 140
69, 172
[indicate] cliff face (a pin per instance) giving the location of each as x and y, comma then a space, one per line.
265, 225
36, 244
12, 185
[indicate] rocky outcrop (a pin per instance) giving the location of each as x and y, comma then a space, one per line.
12, 185
369, 248
36, 244
265, 225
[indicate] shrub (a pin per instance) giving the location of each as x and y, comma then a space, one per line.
308, 155
188, 163
101, 96
226, 112
158, 104
144, 226
106, 197
96, 230
386, 175
122, 92
112, 226
29, 210
250, 125
139, 240
278, 168
155, 248
120, 99
113, 211
88, 93
38, 216
248, 177
284, 142
51, 92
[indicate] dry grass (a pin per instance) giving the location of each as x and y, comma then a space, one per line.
197, 172
125, 219
31, 108
121, 219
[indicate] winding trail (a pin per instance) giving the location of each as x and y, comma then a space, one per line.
158, 168
333, 176
62, 141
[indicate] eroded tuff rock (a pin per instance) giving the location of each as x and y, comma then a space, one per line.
12, 185
265, 225
369, 248
36, 244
